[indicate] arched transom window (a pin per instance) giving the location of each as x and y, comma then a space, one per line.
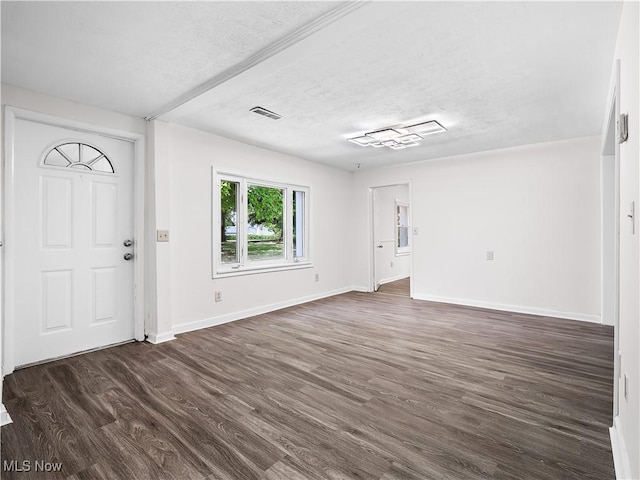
79, 156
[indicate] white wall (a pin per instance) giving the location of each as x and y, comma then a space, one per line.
388, 265
626, 431
158, 319
18, 97
536, 207
192, 155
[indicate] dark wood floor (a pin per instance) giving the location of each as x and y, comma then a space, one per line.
357, 386
400, 288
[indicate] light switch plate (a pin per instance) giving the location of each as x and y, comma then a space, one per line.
163, 236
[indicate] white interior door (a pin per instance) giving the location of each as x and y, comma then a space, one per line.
73, 212
383, 231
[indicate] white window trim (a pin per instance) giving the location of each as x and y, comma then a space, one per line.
246, 266
401, 251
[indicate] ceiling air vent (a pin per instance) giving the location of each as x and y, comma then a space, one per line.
266, 113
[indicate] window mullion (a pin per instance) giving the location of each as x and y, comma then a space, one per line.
287, 225
243, 220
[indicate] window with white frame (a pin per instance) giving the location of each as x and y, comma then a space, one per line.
260, 225
402, 228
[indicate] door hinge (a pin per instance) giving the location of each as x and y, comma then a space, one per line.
623, 128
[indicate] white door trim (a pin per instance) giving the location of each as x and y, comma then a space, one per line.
8, 215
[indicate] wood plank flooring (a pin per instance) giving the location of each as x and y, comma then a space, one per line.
399, 287
356, 386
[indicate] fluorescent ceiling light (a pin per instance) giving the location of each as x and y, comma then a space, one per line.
398, 136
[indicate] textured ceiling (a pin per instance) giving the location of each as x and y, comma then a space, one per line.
135, 57
495, 74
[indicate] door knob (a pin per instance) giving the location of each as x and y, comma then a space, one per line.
127, 243
128, 256
379, 246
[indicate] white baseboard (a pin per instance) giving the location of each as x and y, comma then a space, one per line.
619, 451
157, 338
231, 317
509, 308
360, 289
5, 419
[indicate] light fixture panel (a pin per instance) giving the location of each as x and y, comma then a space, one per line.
426, 128
411, 138
399, 136
363, 141
385, 134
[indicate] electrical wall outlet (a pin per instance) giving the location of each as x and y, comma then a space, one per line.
218, 296
163, 235
391, 264
317, 277
490, 255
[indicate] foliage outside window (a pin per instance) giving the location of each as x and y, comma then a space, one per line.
260, 224
402, 228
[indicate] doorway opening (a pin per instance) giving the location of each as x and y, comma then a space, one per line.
398, 288
391, 239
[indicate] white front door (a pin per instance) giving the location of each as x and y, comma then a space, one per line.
73, 212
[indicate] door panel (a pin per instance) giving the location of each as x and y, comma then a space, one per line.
104, 294
57, 211
56, 300
73, 289
104, 200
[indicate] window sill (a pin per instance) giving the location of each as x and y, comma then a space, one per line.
236, 272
